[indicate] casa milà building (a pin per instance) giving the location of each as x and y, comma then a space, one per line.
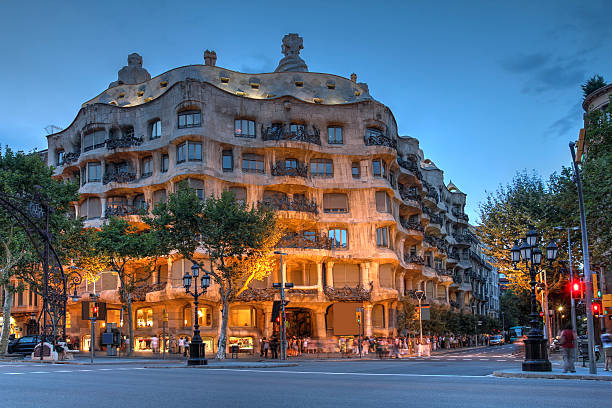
369, 219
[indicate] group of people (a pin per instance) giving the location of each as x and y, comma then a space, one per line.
569, 342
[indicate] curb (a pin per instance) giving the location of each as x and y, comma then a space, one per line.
459, 350
96, 362
226, 366
552, 376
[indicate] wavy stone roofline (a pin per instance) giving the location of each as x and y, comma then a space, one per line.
312, 87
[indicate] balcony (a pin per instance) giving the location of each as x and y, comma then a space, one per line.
297, 169
140, 294
432, 193
304, 241
301, 134
459, 214
348, 294
70, 158
415, 259
410, 193
128, 140
411, 225
287, 204
119, 176
463, 239
411, 166
436, 219
379, 139
123, 210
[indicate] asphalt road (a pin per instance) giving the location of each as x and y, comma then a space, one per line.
453, 380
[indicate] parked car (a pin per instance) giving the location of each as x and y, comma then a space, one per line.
496, 340
23, 345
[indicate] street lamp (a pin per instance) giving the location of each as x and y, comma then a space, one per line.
197, 352
282, 285
536, 354
420, 295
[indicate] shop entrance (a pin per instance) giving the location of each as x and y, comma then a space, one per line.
299, 323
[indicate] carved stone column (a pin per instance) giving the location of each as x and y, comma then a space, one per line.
329, 273
267, 329
320, 324
364, 274
367, 324
399, 283
319, 277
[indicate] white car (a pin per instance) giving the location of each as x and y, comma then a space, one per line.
496, 340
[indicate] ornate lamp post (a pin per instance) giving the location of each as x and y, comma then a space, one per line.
536, 351
197, 353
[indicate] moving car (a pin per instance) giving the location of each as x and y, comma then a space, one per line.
23, 345
496, 340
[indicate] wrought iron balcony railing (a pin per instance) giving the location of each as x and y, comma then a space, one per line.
410, 166
380, 139
301, 134
70, 158
123, 141
122, 210
409, 193
287, 204
302, 241
120, 176
415, 259
411, 225
281, 169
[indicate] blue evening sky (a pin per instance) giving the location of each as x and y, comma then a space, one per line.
488, 87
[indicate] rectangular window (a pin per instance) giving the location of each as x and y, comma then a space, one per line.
189, 151
198, 186
156, 129
242, 317
94, 140
334, 135
147, 167
195, 151
382, 237
227, 159
356, 170
204, 316
321, 168
378, 168
382, 202
94, 172
338, 238
244, 128
291, 163
296, 129
335, 203
60, 157
165, 161
252, 163
373, 132
188, 119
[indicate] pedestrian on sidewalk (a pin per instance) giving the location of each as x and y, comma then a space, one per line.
606, 343
154, 343
266, 347
567, 339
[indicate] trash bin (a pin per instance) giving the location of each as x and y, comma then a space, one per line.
234, 350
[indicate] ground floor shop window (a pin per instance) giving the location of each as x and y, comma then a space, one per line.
142, 344
245, 344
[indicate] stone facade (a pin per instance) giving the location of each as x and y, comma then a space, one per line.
369, 218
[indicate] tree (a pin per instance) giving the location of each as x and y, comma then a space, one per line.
22, 175
516, 306
592, 84
505, 215
130, 253
237, 240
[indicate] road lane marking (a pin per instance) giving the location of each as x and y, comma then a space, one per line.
501, 360
85, 370
356, 374
39, 372
63, 371
13, 373
104, 369
467, 359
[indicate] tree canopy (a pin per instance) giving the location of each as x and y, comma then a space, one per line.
592, 84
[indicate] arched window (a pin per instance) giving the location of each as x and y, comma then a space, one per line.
378, 316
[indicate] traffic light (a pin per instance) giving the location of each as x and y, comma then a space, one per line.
597, 311
94, 311
576, 289
596, 290
276, 306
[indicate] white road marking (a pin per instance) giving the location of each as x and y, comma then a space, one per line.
357, 374
467, 359
501, 360
63, 371
104, 369
40, 372
85, 370
483, 359
13, 373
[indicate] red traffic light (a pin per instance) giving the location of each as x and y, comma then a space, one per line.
277, 319
575, 287
596, 308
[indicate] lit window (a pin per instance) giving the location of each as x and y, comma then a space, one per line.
244, 128
334, 135
165, 161
338, 237
144, 317
227, 159
252, 163
94, 172
191, 118
242, 317
382, 237
321, 168
147, 167
204, 316
156, 129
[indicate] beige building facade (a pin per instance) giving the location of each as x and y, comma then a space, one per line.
369, 218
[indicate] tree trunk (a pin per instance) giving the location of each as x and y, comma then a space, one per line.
128, 302
221, 346
6, 324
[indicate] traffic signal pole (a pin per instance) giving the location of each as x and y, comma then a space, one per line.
587, 268
573, 302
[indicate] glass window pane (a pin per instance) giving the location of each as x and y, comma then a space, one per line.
251, 128
197, 118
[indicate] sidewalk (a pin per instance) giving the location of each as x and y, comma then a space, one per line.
582, 373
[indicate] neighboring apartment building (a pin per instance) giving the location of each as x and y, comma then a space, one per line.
369, 218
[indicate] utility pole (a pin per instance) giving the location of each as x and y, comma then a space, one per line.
587, 271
